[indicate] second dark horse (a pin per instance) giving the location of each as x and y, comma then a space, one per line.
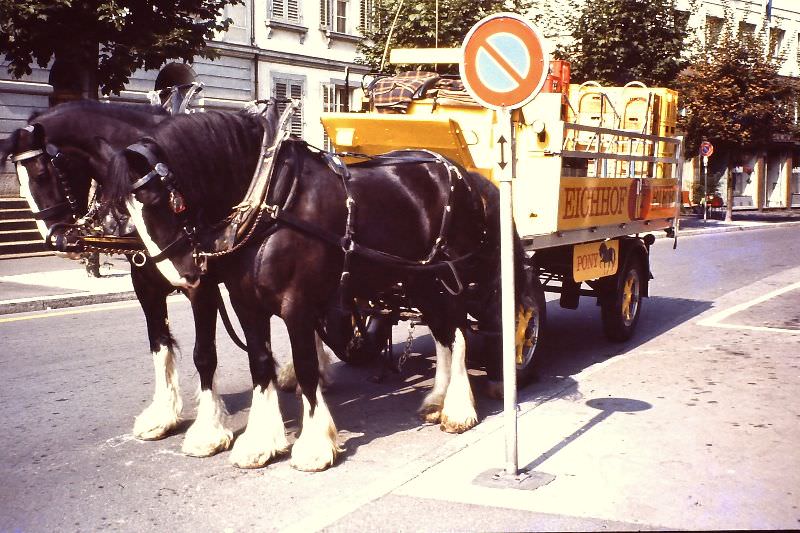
410, 219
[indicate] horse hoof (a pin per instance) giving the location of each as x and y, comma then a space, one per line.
430, 414
494, 390
307, 459
154, 424
450, 425
210, 444
312, 464
156, 433
246, 452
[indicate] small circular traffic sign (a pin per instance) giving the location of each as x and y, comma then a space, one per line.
706, 149
504, 63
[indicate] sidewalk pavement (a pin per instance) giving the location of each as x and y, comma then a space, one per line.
49, 282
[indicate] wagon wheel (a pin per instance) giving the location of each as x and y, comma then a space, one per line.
530, 327
621, 306
366, 344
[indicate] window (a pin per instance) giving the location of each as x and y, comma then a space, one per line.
745, 28
367, 15
798, 49
333, 15
334, 97
239, 30
776, 37
284, 87
287, 10
714, 27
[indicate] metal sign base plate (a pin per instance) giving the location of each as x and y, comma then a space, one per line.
498, 478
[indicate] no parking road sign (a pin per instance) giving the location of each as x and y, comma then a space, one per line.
504, 64
706, 149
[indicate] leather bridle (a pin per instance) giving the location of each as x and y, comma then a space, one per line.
55, 164
160, 171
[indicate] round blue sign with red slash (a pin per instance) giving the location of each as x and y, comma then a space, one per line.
504, 64
706, 149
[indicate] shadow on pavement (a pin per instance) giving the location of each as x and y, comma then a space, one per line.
365, 410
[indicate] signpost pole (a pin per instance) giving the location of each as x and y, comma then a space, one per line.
503, 67
705, 188
505, 162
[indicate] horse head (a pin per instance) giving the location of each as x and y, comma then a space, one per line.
140, 175
185, 179
54, 182
57, 157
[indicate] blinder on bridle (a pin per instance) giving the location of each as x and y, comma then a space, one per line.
160, 171
57, 161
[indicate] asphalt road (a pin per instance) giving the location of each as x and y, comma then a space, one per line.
75, 379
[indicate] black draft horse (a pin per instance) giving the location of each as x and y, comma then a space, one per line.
56, 156
415, 219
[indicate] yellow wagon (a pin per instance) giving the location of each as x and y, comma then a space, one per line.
597, 172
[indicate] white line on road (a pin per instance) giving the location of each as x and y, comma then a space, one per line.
716, 320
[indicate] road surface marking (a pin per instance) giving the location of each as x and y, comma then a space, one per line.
716, 320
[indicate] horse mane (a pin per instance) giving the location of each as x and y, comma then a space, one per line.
212, 157
124, 111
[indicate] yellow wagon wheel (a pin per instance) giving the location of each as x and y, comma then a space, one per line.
622, 306
530, 328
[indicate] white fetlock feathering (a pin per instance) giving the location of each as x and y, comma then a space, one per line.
208, 435
431, 408
163, 414
265, 436
317, 448
458, 412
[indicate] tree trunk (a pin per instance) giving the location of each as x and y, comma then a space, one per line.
74, 74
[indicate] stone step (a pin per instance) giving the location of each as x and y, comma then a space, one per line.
27, 247
17, 223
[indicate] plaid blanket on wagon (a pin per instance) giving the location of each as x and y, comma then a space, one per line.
393, 94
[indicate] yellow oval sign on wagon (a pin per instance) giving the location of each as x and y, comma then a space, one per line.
595, 260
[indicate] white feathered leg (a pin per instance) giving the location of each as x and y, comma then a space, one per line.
208, 434
458, 413
265, 436
163, 413
317, 447
431, 409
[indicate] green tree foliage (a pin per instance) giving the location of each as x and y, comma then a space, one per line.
107, 40
618, 41
417, 27
733, 96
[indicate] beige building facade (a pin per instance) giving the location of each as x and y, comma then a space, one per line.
283, 48
769, 177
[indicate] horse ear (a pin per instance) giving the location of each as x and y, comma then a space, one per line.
38, 133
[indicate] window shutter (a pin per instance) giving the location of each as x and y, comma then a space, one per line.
367, 8
297, 119
278, 9
324, 13
280, 91
293, 10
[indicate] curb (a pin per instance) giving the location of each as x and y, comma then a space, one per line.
59, 302
726, 229
74, 300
